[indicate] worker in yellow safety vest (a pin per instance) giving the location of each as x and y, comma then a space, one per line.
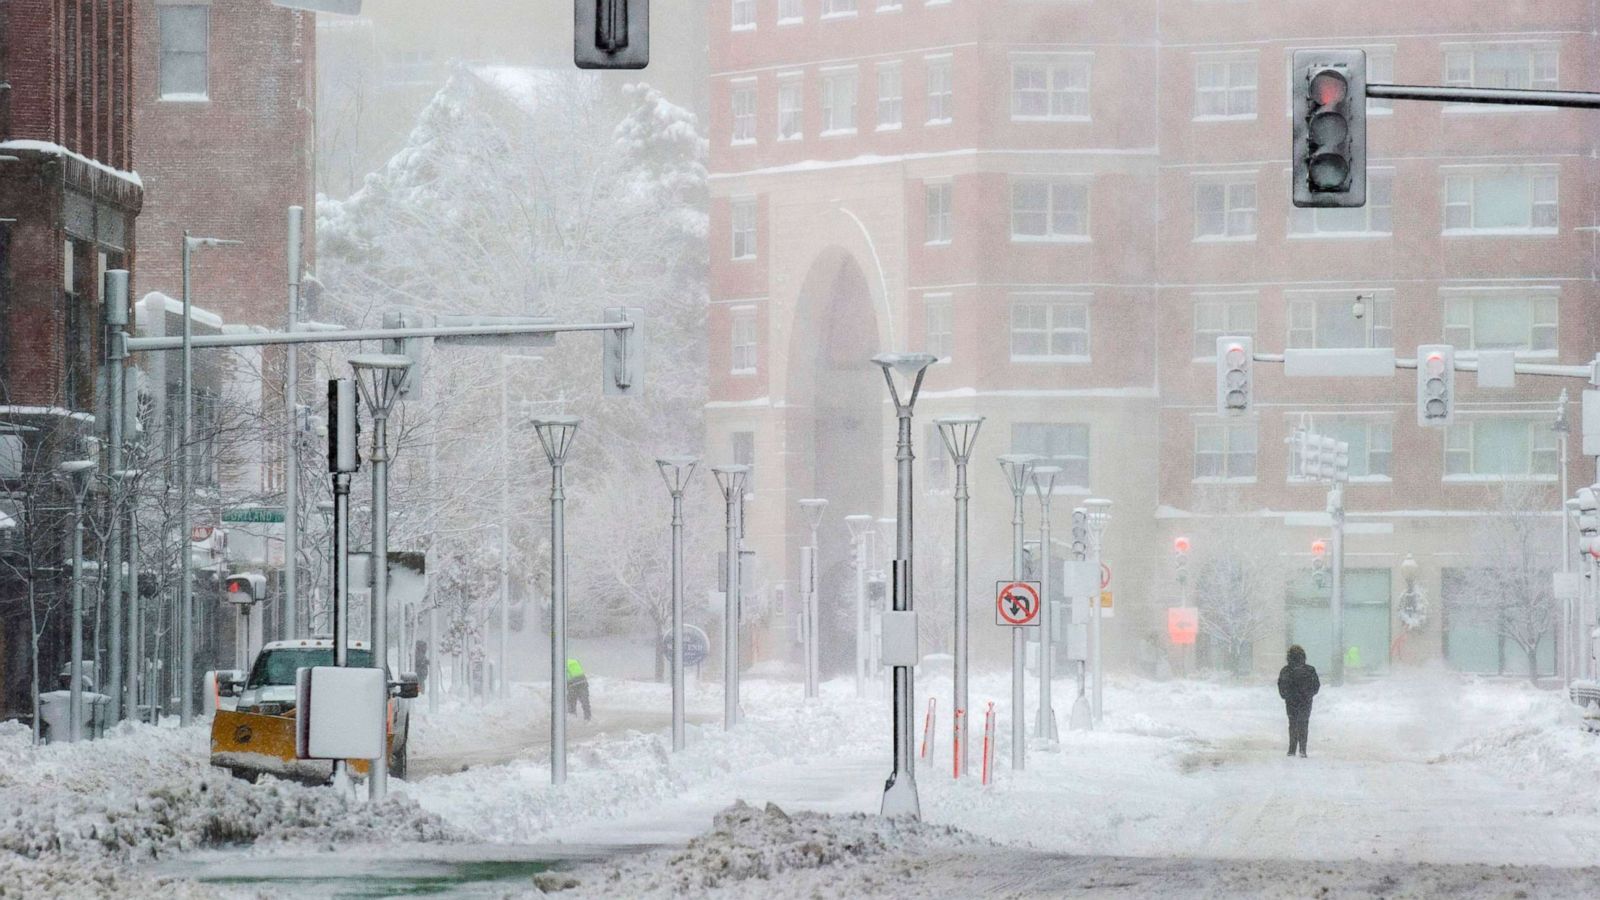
577, 688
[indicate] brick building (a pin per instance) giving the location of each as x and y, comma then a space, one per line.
1068, 203
67, 208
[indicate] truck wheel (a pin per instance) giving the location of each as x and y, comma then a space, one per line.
397, 762
248, 775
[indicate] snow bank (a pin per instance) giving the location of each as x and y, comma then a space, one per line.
746, 844
143, 792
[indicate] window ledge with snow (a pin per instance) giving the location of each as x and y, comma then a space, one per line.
185, 98
741, 372
742, 142
934, 123
1052, 120
1050, 239
943, 243
1244, 117
1051, 360
1500, 232
743, 28
1225, 239
791, 21
838, 132
1339, 235
847, 14
1499, 479
1219, 479
894, 127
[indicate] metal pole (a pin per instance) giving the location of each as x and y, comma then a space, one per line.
1045, 727
116, 307
961, 708
902, 781
1567, 655
135, 645
75, 696
291, 450
378, 782
435, 671
862, 637
505, 491
677, 621
1504, 96
1019, 647
185, 576
558, 624
730, 611
341, 585
1336, 510
813, 621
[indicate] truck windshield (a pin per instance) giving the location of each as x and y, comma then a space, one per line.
277, 667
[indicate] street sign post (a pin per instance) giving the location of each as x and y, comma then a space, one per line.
1016, 604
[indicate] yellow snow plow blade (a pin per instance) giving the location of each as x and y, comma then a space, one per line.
250, 744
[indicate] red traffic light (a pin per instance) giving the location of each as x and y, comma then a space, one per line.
1319, 548
1181, 545
1329, 87
233, 587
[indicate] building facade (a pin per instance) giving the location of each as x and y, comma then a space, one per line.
1068, 203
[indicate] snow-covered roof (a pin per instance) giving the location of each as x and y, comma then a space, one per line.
58, 150
59, 411
175, 307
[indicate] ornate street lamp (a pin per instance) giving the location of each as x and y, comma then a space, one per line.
555, 435
960, 433
677, 471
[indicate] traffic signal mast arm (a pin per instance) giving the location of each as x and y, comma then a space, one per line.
1500, 96
1590, 371
142, 344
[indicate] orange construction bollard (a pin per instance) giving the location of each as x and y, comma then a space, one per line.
927, 730
955, 742
988, 742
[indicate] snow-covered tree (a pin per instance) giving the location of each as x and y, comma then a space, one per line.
1509, 590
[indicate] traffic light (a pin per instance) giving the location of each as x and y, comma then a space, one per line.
1589, 521
1080, 533
1330, 128
1436, 384
1235, 390
344, 426
247, 587
1319, 562
1180, 549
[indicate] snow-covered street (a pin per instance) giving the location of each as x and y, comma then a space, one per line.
1424, 782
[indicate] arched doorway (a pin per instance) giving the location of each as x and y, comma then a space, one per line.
835, 431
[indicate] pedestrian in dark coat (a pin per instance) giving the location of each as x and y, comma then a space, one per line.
1297, 684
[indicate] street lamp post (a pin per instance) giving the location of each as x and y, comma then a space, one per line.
1563, 430
291, 412
1018, 471
116, 315
1099, 510
813, 507
676, 471
185, 461
860, 526
1044, 485
555, 435
900, 792
380, 378
960, 433
77, 472
731, 480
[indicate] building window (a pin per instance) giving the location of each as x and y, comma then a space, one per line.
185, 51
791, 108
938, 210
1323, 320
1521, 320
831, 8
1375, 218
1501, 448
743, 220
1225, 210
744, 15
11, 539
744, 113
1049, 211
1050, 89
1371, 445
743, 445
1532, 66
890, 96
1225, 88
791, 12
1049, 329
1501, 200
1218, 317
939, 333
941, 91
839, 102
742, 336
1225, 451
1063, 445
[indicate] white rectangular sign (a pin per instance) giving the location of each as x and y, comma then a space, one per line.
1080, 578
1374, 362
340, 713
1591, 423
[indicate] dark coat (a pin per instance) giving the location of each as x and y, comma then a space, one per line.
1297, 684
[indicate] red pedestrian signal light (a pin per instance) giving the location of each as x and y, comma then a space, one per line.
1330, 128
1319, 548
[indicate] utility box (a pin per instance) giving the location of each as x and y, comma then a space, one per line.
341, 713
54, 708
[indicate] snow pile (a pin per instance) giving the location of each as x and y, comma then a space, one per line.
143, 792
747, 844
75, 879
1540, 738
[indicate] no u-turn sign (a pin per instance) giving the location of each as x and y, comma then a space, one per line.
1016, 604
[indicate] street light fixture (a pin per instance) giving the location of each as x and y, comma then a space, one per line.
185, 462
860, 526
71, 470
731, 481
1018, 469
555, 436
960, 433
1099, 510
676, 471
900, 792
380, 378
814, 508
1043, 479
